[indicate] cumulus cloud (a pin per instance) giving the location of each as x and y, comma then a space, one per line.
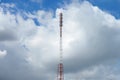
3, 53
13, 30
7, 5
90, 42
38, 1
94, 73
91, 24
7, 35
90, 38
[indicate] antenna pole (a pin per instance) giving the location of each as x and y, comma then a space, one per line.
60, 65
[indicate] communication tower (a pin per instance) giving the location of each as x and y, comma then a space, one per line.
60, 75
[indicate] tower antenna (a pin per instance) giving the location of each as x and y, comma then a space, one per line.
60, 75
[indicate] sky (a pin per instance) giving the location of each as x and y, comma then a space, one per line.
29, 39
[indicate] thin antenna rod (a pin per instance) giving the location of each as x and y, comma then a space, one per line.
61, 49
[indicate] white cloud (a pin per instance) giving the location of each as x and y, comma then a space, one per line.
7, 5
38, 1
13, 30
90, 39
94, 73
3, 53
89, 24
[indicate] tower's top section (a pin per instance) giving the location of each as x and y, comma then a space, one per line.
61, 49
61, 17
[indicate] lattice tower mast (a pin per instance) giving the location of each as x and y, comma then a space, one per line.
60, 65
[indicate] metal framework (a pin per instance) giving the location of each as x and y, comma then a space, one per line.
60, 75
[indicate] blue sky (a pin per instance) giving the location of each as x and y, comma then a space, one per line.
111, 6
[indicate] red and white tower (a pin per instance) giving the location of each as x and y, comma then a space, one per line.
60, 75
